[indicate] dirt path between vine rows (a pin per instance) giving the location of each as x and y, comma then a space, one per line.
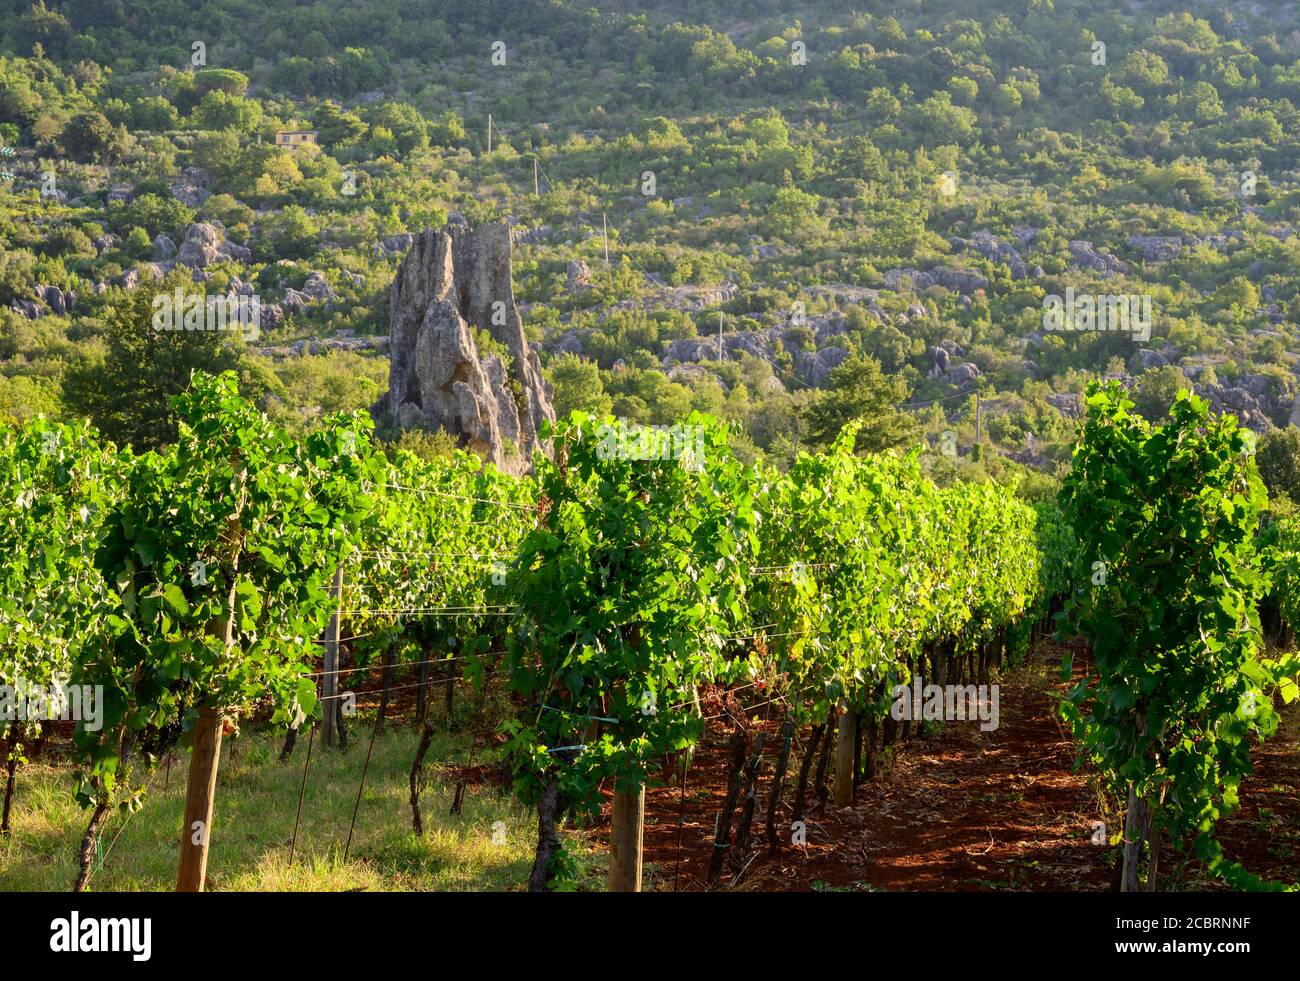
962, 811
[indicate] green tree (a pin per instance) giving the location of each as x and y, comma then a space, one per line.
409, 129
1120, 99
578, 386
860, 392
1157, 390
89, 137
939, 122
128, 395
292, 74
221, 80
1145, 71
154, 112
219, 153
287, 234
155, 214
69, 242
860, 158
18, 102
220, 110
1278, 459
964, 91
793, 214
335, 127
138, 244
232, 213
44, 27
447, 129
1238, 297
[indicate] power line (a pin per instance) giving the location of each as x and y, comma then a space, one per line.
944, 398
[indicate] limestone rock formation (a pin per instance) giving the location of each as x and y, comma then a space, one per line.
995, 250
45, 300
1087, 256
957, 280
454, 281
206, 243
316, 289
579, 276
1156, 248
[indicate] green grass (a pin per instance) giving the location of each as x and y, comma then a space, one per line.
257, 798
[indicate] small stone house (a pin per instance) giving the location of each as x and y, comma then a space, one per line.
291, 139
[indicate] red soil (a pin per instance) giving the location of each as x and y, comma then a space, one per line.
963, 811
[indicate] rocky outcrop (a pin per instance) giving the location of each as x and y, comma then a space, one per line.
45, 300
957, 280
1087, 256
200, 248
531, 236
315, 290
942, 361
59, 301
346, 340
841, 293
1156, 248
815, 367
1146, 360
690, 298
398, 244
1259, 402
963, 375
579, 276
206, 244
995, 250
1069, 404
317, 287
190, 187
454, 281
1252, 410
569, 343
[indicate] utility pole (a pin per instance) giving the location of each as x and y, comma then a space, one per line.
722, 352
977, 418
604, 227
489, 132
536, 192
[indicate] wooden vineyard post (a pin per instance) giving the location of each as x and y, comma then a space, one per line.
197, 826
844, 750
626, 832
196, 829
330, 679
